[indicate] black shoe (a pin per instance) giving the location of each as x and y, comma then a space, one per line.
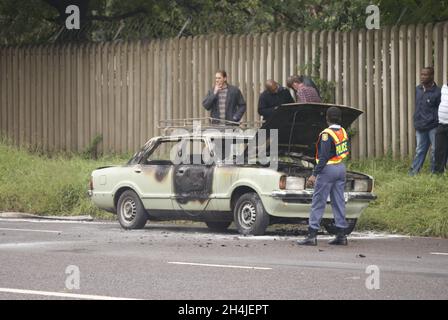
311, 239
340, 239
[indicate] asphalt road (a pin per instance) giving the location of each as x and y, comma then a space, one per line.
166, 261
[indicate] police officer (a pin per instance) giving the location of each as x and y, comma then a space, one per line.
329, 179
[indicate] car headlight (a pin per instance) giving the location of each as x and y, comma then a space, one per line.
295, 183
362, 186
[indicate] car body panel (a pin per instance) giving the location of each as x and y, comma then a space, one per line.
200, 189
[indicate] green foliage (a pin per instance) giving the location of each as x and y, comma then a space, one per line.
91, 151
55, 185
395, 12
412, 205
38, 21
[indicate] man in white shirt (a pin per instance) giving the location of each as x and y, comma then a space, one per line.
441, 140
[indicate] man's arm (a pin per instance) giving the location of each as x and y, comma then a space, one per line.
209, 100
439, 97
286, 96
324, 155
263, 107
241, 106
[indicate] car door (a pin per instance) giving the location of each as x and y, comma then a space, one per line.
193, 178
154, 174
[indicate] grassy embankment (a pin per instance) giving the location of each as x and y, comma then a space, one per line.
57, 184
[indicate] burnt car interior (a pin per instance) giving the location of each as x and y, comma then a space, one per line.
193, 177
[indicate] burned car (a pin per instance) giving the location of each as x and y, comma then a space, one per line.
173, 177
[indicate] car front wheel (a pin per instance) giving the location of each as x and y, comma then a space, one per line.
250, 216
130, 211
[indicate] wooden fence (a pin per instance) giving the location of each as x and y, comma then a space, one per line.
60, 97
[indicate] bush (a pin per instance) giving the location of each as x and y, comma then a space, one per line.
53, 184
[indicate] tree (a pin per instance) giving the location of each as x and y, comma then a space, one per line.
36, 21
395, 12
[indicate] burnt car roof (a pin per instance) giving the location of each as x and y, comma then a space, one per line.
299, 125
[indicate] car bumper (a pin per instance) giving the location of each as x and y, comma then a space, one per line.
102, 200
308, 195
297, 204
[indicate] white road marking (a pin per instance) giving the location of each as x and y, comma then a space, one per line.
352, 278
440, 253
39, 244
54, 221
61, 294
354, 235
31, 230
218, 265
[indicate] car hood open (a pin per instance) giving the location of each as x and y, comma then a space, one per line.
299, 125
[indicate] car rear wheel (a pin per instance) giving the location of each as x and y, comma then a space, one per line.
130, 211
218, 225
331, 228
250, 216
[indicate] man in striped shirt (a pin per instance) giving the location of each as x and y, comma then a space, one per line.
224, 101
441, 140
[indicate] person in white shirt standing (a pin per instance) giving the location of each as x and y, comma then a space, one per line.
441, 140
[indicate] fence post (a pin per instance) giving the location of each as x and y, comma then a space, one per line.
403, 92
386, 92
362, 97
378, 96
412, 83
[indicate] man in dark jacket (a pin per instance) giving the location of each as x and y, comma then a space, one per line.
427, 100
224, 101
272, 97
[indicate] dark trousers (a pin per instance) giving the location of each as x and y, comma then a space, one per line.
441, 151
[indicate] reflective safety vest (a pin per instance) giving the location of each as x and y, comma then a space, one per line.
340, 139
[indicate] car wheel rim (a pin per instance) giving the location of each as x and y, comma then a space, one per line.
247, 215
128, 210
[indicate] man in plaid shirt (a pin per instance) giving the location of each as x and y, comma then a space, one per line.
303, 92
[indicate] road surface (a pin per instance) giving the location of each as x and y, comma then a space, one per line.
92, 260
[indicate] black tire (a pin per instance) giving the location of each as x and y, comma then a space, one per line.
331, 227
250, 216
130, 211
218, 226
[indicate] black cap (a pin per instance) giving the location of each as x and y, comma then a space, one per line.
334, 115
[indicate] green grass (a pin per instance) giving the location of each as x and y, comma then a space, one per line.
56, 184
48, 184
411, 205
